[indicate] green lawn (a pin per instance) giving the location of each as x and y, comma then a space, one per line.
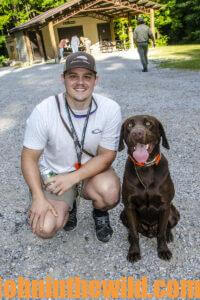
180, 57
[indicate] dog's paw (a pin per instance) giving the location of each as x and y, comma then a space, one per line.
164, 254
169, 237
133, 256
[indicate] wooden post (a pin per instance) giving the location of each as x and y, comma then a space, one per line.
39, 40
152, 23
52, 39
28, 47
112, 30
130, 32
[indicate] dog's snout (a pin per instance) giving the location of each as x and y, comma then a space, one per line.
138, 133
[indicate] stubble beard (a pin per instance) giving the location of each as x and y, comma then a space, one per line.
79, 101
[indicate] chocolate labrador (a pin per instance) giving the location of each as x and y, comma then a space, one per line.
147, 189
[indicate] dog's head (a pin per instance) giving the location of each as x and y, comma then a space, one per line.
142, 135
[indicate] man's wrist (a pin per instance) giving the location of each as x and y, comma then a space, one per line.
38, 196
76, 176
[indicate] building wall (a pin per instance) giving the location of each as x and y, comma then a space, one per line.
21, 46
47, 43
89, 30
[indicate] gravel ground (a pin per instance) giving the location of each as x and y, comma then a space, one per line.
170, 95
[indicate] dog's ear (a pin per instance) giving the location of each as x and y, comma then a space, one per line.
121, 139
165, 143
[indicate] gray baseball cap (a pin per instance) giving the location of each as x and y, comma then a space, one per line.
80, 59
140, 20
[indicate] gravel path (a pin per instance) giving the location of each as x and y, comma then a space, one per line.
170, 95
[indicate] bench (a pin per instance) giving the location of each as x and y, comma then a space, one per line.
107, 46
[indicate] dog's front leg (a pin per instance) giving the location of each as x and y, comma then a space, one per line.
163, 250
134, 250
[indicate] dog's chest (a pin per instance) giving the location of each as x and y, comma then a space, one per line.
148, 207
142, 190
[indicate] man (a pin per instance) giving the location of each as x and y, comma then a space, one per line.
75, 43
61, 46
79, 144
141, 36
86, 43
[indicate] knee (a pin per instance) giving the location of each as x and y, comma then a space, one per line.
45, 233
49, 229
111, 193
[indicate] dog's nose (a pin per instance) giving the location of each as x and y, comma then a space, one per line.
138, 133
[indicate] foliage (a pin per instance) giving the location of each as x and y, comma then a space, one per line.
121, 31
179, 20
3, 50
183, 21
162, 40
2, 59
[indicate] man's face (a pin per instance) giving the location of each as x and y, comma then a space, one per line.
79, 84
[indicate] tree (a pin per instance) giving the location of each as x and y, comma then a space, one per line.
179, 20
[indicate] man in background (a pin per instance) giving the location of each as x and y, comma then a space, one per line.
141, 36
86, 43
61, 46
75, 42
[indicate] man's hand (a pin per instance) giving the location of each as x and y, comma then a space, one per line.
38, 211
61, 183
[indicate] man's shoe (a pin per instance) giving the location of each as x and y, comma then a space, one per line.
145, 70
103, 229
72, 220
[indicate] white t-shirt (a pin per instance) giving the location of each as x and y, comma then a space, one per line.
45, 131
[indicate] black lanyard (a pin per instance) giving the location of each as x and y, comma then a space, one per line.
78, 145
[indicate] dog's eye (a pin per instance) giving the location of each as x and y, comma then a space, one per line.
147, 123
130, 125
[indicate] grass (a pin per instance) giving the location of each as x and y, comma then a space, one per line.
180, 57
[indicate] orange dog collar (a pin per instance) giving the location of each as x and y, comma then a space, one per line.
155, 161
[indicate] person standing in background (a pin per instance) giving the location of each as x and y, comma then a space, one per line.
141, 36
75, 42
61, 46
88, 45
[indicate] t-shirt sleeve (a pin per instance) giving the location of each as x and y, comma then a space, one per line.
36, 131
111, 131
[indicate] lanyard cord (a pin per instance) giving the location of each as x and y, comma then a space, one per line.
78, 145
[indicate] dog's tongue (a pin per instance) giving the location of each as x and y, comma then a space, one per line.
141, 154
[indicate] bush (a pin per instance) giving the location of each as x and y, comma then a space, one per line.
3, 60
162, 41
3, 50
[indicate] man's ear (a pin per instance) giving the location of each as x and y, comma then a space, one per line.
121, 139
62, 77
96, 79
165, 143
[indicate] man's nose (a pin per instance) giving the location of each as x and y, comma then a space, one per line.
80, 80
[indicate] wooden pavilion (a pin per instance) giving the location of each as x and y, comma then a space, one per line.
39, 37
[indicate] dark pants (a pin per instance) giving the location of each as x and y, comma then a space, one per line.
143, 50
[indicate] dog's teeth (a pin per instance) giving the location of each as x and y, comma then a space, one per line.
147, 146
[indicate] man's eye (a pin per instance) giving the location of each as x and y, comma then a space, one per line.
72, 76
87, 77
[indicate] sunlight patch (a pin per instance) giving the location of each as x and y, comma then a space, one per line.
116, 66
6, 123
